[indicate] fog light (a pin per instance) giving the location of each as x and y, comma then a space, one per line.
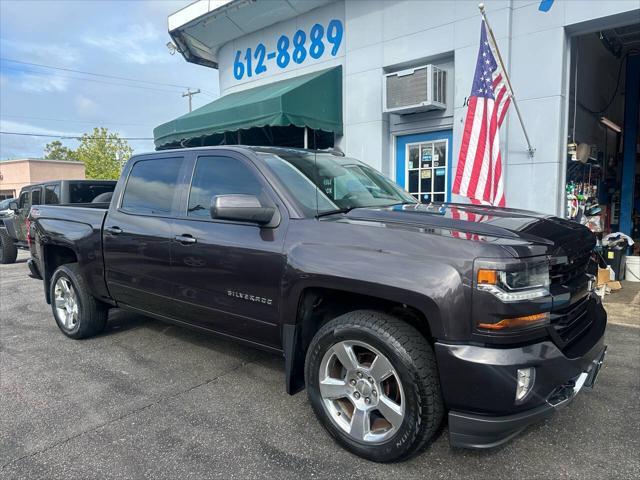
526, 379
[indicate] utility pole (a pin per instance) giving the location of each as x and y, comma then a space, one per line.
190, 94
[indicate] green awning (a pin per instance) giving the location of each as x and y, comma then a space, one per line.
313, 100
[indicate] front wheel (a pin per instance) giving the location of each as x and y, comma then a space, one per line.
372, 382
76, 312
8, 250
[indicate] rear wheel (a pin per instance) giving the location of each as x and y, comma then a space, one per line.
76, 312
372, 382
8, 250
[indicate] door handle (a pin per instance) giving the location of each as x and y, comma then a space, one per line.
185, 239
114, 230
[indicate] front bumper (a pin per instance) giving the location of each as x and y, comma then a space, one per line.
479, 383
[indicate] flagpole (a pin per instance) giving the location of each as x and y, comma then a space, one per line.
530, 149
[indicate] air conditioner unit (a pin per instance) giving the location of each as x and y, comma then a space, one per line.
415, 90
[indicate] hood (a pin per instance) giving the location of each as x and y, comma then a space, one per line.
481, 221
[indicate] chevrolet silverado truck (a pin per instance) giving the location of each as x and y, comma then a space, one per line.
393, 314
14, 224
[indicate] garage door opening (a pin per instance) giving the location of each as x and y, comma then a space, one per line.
603, 161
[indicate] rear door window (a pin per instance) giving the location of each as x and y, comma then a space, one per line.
52, 194
36, 196
85, 192
151, 187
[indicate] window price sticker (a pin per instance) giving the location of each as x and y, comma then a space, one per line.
315, 44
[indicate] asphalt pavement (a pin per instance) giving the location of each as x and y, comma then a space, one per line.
150, 400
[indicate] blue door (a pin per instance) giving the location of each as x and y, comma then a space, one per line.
423, 165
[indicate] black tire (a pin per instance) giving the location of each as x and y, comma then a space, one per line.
92, 314
414, 361
8, 250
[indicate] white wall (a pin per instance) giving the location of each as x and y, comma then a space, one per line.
269, 37
383, 35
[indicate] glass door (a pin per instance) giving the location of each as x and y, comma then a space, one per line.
423, 165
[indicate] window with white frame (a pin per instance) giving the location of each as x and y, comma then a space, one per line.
427, 170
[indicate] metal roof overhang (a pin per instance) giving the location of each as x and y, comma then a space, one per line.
200, 29
313, 100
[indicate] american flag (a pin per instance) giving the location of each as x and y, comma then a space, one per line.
479, 172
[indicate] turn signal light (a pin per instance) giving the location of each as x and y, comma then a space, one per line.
487, 277
517, 322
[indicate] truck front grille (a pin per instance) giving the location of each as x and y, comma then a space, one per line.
575, 266
571, 322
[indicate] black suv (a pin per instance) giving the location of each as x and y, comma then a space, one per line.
14, 228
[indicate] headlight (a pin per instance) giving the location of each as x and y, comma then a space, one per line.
522, 281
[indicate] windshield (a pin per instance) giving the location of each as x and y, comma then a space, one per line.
339, 184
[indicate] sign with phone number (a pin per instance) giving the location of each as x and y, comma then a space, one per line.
320, 41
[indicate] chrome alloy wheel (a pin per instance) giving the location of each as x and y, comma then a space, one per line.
66, 302
361, 391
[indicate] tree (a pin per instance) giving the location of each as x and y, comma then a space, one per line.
103, 153
57, 151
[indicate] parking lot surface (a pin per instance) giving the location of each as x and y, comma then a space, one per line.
150, 400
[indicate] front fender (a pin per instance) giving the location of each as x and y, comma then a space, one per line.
431, 286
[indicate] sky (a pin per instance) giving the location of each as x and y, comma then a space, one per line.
118, 38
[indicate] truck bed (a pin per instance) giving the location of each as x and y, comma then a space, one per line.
70, 231
90, 213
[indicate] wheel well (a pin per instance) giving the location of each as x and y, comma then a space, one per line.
53, 257
317, 306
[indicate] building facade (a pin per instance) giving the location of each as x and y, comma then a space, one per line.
15, 174
253, 44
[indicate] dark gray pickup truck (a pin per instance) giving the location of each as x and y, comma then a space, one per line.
393, 314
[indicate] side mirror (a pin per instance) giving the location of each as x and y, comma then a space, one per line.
240, 207
13, 206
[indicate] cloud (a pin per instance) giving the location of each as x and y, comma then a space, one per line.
139, 43
23, 146
85, 105
52, 53
21, 127
41, 83
110, 37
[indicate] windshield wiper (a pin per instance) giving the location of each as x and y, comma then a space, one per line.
401, 203
333, 212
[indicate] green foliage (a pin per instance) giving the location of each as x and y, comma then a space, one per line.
103, 153
57, 151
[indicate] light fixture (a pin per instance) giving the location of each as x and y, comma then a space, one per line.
172, 48
525, 379
610, 125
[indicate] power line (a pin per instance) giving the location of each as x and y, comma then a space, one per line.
66, 120
67, 137
116, 77
92, 73
143, 87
